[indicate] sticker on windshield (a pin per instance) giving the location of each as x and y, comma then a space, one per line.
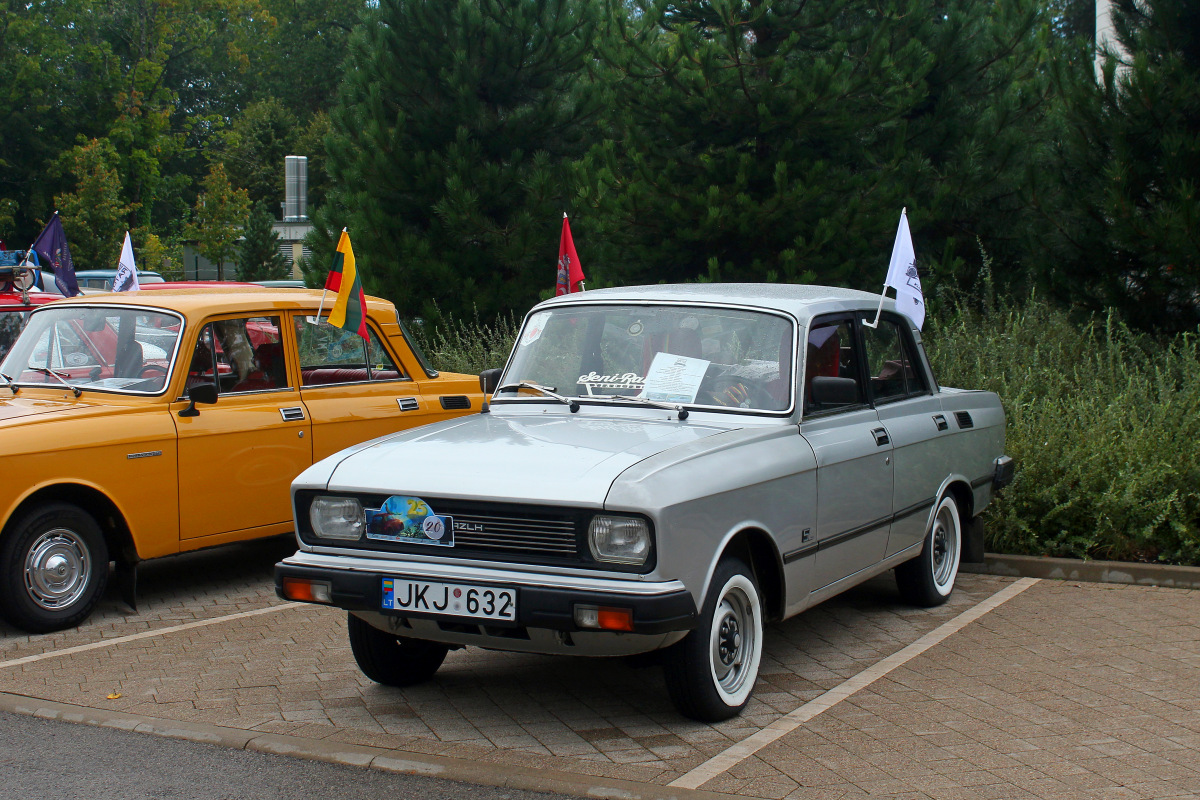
623, 382
534, 328
409, 520
674, 379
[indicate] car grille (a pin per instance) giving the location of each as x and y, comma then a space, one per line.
512, 533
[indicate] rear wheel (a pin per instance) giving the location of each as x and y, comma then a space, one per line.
393, 660
711, 673
928, 579
53, 569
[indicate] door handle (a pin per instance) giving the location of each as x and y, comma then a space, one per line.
881, 436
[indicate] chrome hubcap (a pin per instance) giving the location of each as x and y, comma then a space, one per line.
732, 640
57, 569
945, 547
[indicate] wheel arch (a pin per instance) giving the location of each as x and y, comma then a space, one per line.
755, 546
114, 526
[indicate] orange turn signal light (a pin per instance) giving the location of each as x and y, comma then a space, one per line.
616, 619
307, 591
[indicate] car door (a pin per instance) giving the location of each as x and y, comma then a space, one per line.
237, 458
914, 421
853, 452
356, 389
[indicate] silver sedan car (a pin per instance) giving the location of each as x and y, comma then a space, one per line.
661, 468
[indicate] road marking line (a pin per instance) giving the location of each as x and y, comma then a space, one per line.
187, 626
733, 756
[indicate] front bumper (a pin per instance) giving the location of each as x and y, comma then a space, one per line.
657, 609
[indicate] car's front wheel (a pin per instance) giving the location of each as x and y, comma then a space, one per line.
928, 579
53, 568
393, 660
711, 673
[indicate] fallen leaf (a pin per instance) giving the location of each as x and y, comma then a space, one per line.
114, 696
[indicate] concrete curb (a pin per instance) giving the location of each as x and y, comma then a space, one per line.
399, 761
1070, 569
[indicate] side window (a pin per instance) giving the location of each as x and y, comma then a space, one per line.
831, 374
329, 354
890, 362
245, 355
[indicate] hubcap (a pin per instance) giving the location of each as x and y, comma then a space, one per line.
57, 569
733, 640
945, 547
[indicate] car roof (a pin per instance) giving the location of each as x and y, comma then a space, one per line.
201, 301
108, 273
36, 298
803, 301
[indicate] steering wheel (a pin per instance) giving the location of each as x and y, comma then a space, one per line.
737, 392
151, 368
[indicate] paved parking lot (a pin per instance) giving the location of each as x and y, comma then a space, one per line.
1014, 689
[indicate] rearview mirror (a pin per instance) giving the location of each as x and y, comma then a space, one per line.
200, 393
828, 391
489, 379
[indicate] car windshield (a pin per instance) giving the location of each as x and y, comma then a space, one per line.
12, 320
706, 356
102, 348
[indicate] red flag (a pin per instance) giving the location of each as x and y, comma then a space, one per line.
570, 273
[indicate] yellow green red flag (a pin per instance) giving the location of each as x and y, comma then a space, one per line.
349, 311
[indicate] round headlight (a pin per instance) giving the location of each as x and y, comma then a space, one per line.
337, 518
620, 540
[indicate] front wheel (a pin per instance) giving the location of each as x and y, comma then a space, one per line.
393, 660
53, 569
711, 673
928, 579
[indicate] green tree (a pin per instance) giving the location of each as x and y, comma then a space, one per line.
1120, 211
779, 141
448, 148
94, 216
217, 218
259, 258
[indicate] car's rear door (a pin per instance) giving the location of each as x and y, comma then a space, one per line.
237, 458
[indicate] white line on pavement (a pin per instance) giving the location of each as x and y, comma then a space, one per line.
66, 651
752, 744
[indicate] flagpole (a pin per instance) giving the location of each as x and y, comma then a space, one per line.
324, 291
883, 292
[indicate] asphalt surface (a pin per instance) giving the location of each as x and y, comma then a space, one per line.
47, 760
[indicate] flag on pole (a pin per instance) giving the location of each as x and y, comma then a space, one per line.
902, 275
349, 310
126, 279
570, 273
52, 251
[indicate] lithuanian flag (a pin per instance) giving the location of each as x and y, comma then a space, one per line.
349, 311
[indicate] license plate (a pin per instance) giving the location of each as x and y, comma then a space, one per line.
450, 599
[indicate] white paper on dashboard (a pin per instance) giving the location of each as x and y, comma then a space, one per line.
674, 379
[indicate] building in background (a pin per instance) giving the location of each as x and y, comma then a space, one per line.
291, 230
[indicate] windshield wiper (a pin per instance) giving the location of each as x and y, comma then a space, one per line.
546, 390
680, 411
9, 382
58, 377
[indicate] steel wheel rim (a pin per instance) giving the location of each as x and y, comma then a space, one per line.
58, 567
733, 640
945, 546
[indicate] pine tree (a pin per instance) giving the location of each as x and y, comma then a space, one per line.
447, 151
780, 140
259, 258
1121, 212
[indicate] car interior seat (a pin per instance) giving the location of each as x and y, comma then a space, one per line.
129, 360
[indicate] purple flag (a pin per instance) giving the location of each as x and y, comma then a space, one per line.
52, 250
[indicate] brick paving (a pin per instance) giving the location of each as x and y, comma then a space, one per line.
1069, 690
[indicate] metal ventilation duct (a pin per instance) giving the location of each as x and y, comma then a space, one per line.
295, 203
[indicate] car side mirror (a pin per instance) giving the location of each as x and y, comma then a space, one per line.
200, 393
489, 379
828, 391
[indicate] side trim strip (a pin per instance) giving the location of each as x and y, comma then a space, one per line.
854, 533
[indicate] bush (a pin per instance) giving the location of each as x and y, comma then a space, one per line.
470, 347
1103, 423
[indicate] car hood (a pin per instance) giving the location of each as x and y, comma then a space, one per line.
14, 410
560, 459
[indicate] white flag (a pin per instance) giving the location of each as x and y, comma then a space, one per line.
126, 279
902, 276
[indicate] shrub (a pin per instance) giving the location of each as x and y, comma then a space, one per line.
1103, 423
468, 346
